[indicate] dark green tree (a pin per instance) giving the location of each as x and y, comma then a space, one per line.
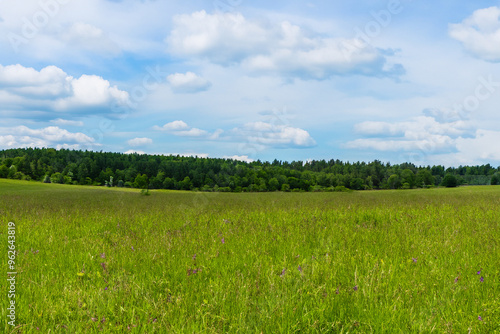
449, 181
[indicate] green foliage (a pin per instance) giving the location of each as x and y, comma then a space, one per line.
200, 174
449, 181
141, 181
495, 179
424, 178
394, 182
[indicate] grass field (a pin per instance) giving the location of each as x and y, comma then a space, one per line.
100, 260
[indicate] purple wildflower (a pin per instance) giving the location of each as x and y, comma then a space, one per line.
456, 279
103, 265
132, 248
283, 272
300, 268
337, 291
355, 288
479, 272
482, 279
414, 259
194, 257
223, 241
106, 288
479, 318
103, 256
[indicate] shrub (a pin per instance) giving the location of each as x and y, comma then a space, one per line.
449, 181
342, 189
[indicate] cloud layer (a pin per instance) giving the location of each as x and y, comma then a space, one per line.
188, 83
52, 91
480, 33
284, 49
52, 136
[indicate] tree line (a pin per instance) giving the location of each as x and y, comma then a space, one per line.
211, 174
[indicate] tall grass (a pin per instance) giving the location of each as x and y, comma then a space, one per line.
181, 262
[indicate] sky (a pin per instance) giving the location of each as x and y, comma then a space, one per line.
393, 80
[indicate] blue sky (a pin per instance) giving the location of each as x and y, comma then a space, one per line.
395, 80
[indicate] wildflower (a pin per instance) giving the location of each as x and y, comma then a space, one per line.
106, 288
133, 248
355, 288
479, 272
103, 265
194, 257
223, 241
479, 318
414, 259
103, 256
300, 268
337, 291
482, 279
283, 272
456, 279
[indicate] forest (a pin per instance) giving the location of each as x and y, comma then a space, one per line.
145, 171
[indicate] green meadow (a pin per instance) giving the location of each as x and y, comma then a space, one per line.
108, 260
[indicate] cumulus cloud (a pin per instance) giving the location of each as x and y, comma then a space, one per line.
261, 134
285, 49
421, 133
180, 128
428, 140
52, 136
140, 142
188, 83
270, 135
480, 33
51, 90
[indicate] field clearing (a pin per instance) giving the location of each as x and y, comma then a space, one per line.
408, 261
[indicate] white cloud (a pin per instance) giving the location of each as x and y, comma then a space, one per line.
434, 143
420, 134
483, 147
267, 134
91, 38
221, 37
285, 49
480, 33
22, 136
180, 128
65, 122
134, 152
50, 81
259, 134
140, 142
52, 90
173, 126
419, 127
188, 83
243, 158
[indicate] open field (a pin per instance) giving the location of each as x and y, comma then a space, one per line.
100, 260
